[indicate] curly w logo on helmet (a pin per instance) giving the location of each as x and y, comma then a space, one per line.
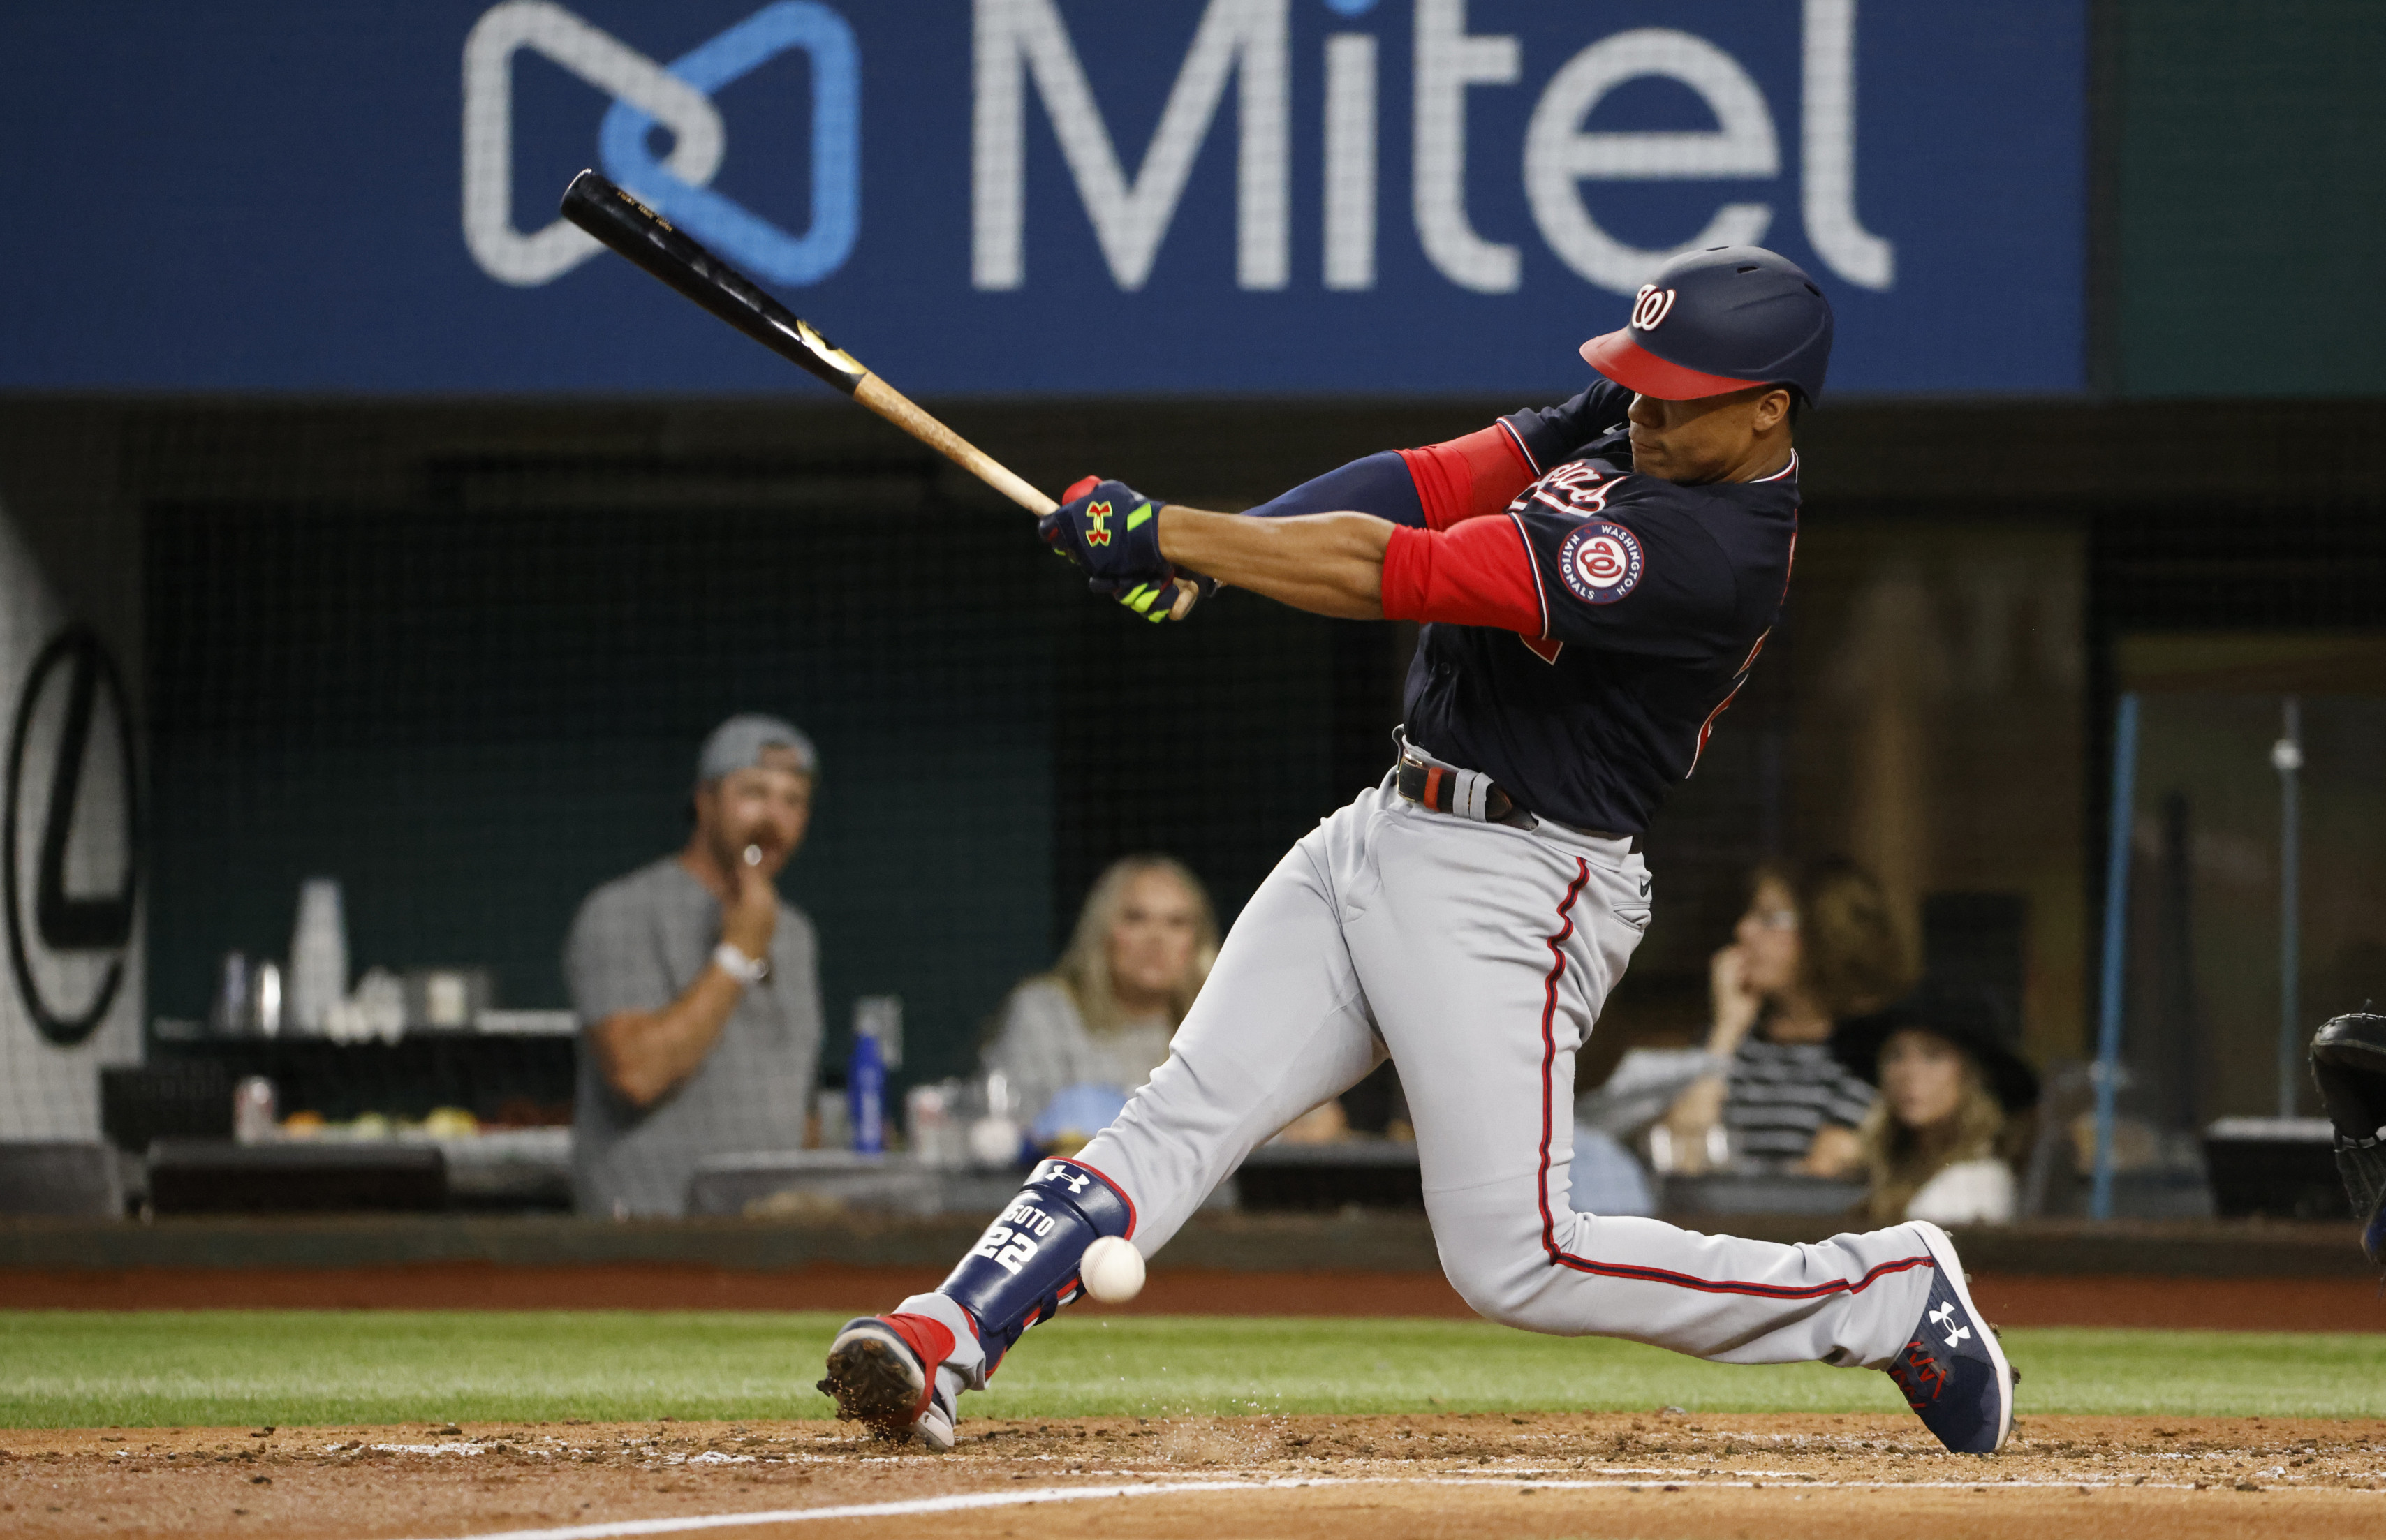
1651, 306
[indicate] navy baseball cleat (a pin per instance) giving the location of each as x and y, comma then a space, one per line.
882, 1372
1952, 1370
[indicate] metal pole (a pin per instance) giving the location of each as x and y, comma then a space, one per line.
2287, 758
2116, 940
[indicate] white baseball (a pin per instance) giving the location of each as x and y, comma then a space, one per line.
1112, 1271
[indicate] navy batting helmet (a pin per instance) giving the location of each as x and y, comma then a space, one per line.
1721, 319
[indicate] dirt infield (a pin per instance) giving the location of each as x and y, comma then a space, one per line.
2286, 1304
1656, 1474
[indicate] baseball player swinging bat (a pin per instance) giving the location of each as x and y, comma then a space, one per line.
1592, 582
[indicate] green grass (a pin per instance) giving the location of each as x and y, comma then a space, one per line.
297, 1368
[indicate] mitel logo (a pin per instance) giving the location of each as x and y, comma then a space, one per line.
677, 96
1023, 50
1022, 56
67, 953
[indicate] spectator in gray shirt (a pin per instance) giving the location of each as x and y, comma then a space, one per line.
1103, 1016
697, 986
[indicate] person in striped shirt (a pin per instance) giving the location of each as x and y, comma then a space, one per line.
1817, 946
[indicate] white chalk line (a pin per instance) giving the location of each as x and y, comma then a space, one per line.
962, 1502
958, 1502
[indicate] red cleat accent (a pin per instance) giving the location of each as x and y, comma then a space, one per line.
931, 1340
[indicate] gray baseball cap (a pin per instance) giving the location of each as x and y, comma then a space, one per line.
738, 742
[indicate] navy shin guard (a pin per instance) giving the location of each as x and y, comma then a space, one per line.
1025, 1268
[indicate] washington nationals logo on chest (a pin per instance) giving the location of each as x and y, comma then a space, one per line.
1600, 562
1577, 489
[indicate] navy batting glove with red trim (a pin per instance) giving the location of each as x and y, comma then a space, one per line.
1112, 532
1109, 529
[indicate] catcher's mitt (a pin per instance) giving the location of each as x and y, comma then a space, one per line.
2348, 1058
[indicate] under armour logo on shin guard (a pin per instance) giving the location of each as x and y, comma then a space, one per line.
1075, 1181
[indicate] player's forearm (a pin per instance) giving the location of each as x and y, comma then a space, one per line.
643, 1054
1326, 563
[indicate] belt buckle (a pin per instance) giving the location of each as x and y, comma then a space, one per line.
1457, 790
1421, 775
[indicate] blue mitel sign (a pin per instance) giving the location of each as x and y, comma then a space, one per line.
1028, 195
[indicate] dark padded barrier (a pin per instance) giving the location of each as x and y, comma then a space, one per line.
59, 1179
209, 1176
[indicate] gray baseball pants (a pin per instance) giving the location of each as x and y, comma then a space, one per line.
1478, 954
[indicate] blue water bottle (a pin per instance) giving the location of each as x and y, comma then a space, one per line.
865, 1094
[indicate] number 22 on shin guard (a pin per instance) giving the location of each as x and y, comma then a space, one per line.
1010, 1249
1007, 1247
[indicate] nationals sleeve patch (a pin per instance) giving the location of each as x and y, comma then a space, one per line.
1600, 562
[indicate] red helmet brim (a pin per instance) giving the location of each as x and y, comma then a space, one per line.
1625, 361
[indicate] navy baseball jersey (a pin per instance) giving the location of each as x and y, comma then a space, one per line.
1584, 624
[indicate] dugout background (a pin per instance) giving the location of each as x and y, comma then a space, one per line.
458, 651
459, 655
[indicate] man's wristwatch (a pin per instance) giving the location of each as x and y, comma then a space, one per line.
737, 965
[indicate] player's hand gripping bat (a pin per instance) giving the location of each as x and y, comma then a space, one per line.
639, 234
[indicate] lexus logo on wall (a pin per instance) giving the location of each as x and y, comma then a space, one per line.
72, 836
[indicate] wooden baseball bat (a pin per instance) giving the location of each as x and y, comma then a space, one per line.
645, 237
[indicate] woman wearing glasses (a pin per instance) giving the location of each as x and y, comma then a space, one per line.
1817, 946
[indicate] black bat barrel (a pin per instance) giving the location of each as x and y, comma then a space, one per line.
648, 239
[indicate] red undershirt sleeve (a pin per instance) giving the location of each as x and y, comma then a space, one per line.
1469, 477
1480, 575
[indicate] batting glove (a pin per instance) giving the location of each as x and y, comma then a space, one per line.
1112, 532
1171, 600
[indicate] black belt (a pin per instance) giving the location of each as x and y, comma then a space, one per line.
1451, 791
1470, 794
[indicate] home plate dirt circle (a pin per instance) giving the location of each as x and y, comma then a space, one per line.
1657, 1474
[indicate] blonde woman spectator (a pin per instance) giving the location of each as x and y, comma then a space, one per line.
1817, 945
1953, 1103
1104, 1014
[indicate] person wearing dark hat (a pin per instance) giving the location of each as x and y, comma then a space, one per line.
697, 986
1952, 1097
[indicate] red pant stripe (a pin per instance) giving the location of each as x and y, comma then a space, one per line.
1559, 1255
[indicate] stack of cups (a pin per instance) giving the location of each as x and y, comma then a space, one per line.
319, 955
